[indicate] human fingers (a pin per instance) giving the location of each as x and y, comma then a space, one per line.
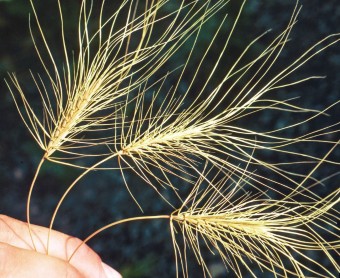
62, 246
17, 262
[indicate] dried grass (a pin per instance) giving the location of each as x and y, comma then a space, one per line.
105, 104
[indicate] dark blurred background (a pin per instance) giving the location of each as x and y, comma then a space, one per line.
142, 249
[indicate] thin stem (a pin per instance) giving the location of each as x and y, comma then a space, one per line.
68, 190
117, 223
29, 200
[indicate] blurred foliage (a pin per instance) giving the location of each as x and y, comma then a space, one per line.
138, 249
140, 269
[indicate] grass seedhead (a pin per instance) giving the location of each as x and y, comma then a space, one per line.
109, 102
253, 233
82, 101
169, 133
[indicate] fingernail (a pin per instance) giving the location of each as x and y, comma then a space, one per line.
110, 272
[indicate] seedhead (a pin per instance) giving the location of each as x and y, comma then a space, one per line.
109, 102
253, 233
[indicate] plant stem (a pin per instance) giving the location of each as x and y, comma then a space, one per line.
117, 223
29, 200
68, 190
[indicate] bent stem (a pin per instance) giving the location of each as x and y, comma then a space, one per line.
69, 189
29, 200
115, 224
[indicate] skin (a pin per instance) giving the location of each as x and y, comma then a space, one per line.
19, 259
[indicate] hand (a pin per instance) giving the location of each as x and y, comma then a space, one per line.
19, 259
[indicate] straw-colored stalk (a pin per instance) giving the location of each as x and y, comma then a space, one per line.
162, 134
86, 113
251, 232
161, 138
82, 101
174, 139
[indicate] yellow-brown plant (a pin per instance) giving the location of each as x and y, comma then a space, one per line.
107, 104
234, 218
83, 101
250, 230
